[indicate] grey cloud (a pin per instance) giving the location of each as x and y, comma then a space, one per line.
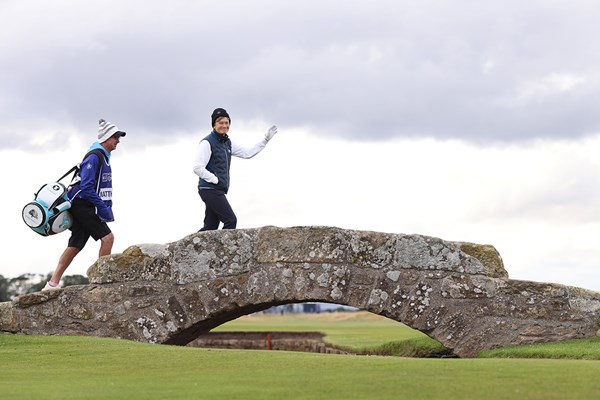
359, 70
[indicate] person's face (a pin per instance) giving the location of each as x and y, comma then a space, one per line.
111, 144
222, 125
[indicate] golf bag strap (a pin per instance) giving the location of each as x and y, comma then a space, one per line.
75, 168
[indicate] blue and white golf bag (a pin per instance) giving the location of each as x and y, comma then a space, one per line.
47, 214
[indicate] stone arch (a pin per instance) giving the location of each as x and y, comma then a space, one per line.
457, 293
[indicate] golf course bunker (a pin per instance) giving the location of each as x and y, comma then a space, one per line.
454, 292
311, 342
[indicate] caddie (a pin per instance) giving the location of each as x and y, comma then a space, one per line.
91, 201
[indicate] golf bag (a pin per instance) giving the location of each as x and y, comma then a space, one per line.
47, 214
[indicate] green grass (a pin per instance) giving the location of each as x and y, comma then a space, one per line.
356, 332
366, 333
580, 349
41, 367
92, 368
417, 347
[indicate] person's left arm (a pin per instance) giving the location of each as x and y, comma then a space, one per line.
249, 152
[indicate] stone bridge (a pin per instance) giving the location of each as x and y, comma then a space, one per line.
457, 293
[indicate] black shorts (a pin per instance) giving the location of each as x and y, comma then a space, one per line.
85, 224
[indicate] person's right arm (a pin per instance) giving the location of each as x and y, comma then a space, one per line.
201, 159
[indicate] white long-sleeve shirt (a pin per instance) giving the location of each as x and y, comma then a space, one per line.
203, 153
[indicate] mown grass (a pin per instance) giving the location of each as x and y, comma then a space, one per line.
369, 334
580, 349
360, 332
40, 367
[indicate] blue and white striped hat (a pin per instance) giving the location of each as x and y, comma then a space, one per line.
106, 130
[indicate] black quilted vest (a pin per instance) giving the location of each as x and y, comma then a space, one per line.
219, 163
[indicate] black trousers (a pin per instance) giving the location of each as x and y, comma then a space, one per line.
217, 210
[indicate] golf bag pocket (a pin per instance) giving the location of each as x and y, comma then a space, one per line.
47, 214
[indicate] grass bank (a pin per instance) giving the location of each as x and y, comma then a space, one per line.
369, 334
359, 332
580, 349
91, 368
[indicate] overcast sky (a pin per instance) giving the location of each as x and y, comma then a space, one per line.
465, 120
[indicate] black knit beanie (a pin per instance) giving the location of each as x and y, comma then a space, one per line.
219, 112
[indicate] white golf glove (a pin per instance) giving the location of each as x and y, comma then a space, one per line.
271, 132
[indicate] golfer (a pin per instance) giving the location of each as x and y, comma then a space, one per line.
211, 164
